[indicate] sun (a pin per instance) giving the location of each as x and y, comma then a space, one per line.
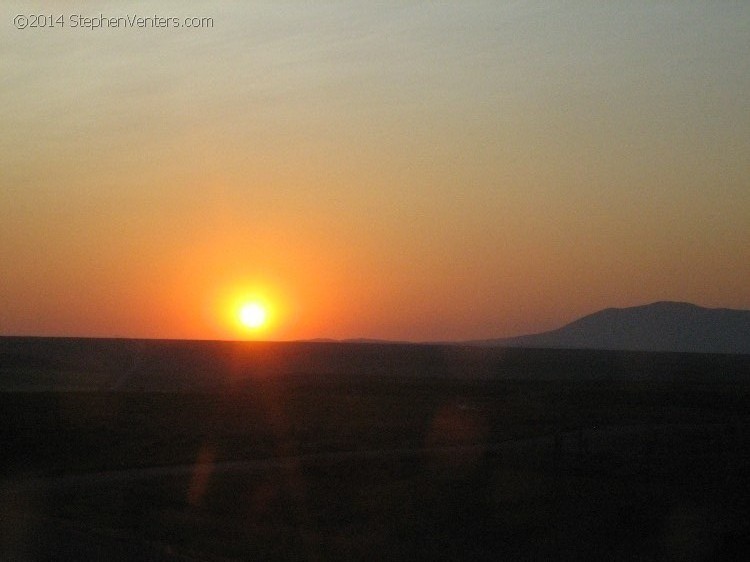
253, 315
247, 311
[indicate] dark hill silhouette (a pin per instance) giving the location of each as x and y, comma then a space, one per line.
660, 326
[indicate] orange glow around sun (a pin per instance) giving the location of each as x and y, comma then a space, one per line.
248, 313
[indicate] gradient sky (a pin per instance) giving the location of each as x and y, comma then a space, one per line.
418, 171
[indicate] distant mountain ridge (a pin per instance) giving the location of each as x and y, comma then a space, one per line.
660, 326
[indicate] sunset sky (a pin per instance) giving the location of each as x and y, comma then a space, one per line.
397, 170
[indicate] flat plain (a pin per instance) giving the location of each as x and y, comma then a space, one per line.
365, 451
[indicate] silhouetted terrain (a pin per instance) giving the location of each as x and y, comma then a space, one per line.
661, 326
179, 365
333, 451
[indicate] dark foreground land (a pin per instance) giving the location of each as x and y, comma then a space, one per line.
592, 455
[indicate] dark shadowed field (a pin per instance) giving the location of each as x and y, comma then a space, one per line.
119, 450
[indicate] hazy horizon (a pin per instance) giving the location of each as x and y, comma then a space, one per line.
425, 172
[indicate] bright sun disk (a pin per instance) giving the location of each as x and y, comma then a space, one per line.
253, 315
